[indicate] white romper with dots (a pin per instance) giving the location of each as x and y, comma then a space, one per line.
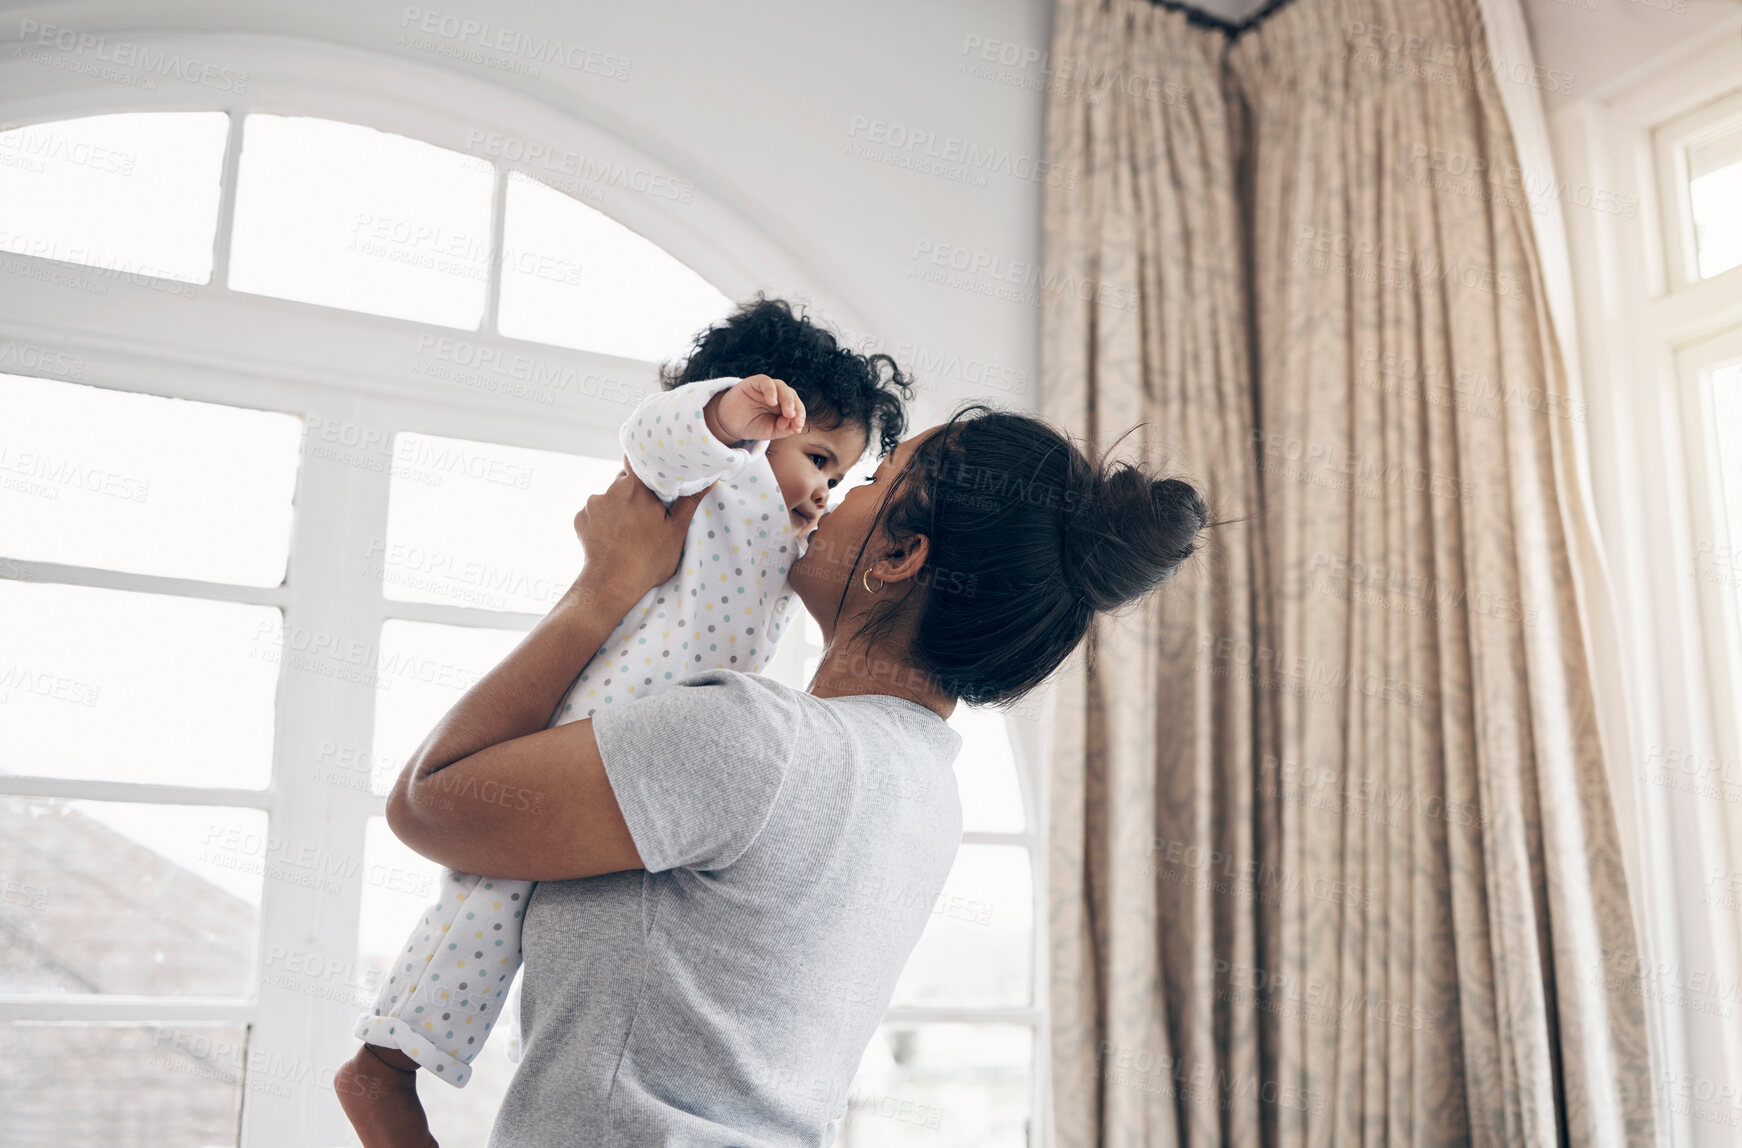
726, 607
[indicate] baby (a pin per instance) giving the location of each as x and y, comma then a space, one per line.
771, 451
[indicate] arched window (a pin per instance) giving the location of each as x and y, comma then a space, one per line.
298, 393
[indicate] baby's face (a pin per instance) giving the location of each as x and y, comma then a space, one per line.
808, 463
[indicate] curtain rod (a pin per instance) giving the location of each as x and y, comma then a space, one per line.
1229, 27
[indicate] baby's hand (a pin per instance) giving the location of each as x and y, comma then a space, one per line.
760, 408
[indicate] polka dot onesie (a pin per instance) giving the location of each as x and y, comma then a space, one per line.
725, 608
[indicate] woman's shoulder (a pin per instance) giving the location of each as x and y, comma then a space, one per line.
866, 742
726, 685
768, 700
754, 705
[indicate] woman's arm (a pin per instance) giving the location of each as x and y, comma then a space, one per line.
491, 790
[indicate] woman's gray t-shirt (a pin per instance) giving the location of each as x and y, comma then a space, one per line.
795, 847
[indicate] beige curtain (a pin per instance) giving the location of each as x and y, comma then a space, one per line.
1332, 859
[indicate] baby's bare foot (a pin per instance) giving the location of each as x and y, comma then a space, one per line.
381, 1103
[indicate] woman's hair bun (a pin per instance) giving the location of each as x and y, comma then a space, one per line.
1029, 539
1126, 533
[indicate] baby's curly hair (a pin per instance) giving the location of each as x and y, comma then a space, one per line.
768, 337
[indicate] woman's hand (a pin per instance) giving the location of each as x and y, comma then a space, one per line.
632, 541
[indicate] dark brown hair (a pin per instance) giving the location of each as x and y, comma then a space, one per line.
1029, 539
769, 337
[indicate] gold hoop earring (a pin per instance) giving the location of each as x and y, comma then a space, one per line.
865, 581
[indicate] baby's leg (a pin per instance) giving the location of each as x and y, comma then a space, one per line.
379, 1096
445, 990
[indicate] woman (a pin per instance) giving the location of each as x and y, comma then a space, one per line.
733, 873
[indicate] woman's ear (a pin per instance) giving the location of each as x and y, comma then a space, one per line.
905, 561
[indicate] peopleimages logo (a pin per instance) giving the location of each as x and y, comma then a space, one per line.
901, 139
36, 146
462, 31
58, 474
516, 372
1030, 68
40, 360
1017, 281
551, 163
159, 62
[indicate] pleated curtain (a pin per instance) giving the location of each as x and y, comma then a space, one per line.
1332, 855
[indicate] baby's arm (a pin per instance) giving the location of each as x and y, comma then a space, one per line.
682, 441
444, 992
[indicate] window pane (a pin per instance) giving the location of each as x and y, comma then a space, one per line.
347, 216
112, 685
400, 885
424, 669
986, 772
150, 485
1715, 191
135, 193
961, 1085
575, 277
976, 948
1727, 412
485, 525
146, 900
129, 1086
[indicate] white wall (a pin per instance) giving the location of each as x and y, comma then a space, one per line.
1593, 44
762, 105
1635, 67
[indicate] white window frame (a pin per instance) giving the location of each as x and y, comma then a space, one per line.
344, 367
1670, 143
1720, 608
1649, 329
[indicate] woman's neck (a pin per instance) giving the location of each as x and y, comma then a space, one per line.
847, 672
